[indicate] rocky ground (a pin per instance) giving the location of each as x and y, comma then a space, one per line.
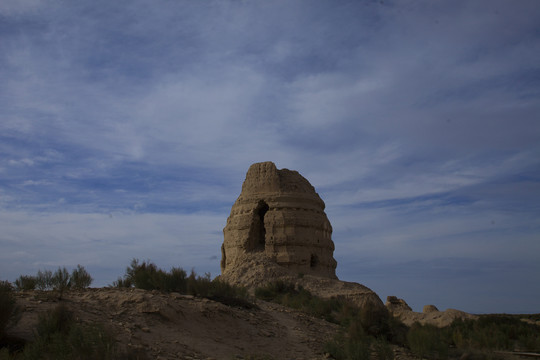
174, 326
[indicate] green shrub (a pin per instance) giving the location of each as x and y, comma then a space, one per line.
80, 278
146, 275
175, 280
25, 282
9, 311
428, 341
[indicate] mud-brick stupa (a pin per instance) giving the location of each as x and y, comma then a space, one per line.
279, 215
277, 229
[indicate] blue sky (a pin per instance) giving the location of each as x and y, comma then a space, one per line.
127, 127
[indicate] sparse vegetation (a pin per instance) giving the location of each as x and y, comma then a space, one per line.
146, 275
60, 280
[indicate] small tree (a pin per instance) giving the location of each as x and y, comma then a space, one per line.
80, 278
44, 280
60, 281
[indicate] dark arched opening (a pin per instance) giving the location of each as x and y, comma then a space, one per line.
313, 261
260, 212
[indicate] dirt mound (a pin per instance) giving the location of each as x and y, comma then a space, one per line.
174, 326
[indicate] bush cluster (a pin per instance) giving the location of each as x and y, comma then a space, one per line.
60, 280
146, 275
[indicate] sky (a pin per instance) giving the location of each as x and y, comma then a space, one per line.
127, 128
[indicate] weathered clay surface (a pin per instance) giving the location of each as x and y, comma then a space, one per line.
279, 214
430, 315
394, 304
429, 308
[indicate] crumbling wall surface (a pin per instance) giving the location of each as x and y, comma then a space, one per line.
279, 214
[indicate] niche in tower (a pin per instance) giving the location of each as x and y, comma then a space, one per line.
258, 231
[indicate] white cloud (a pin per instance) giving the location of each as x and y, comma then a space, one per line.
23, 162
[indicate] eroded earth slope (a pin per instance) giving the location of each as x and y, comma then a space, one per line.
174, 326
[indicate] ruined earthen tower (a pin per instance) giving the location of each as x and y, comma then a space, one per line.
279, 217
